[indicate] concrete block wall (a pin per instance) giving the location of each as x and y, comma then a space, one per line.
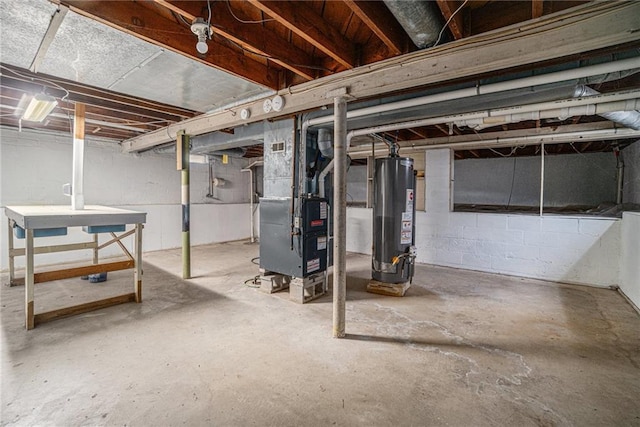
631, 184
568, 249
630, 257
35, 165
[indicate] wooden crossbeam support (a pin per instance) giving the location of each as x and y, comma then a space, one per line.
456, 25
259, 39
137, 20
48, 276
377, 17
27, 81
52, 249
83, 308
311, 27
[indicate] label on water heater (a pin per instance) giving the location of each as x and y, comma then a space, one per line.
407, 216
409, 207
405, 238
407, 225
313, 265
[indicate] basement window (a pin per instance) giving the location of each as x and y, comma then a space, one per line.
575, 179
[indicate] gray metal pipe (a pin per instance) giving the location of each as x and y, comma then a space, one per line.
340, 217
420, 19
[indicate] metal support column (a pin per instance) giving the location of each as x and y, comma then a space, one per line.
182, 152
339, 216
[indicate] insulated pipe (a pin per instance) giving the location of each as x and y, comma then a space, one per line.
555, 77
323, 175
559, 138
251, 195
77, 190
585, 106
340, 217
628, 118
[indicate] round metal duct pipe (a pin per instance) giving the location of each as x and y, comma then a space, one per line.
420, 19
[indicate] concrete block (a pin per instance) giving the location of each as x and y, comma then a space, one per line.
492, 221
524, 223
541, 239
473, 261
522, 252
559, 225
483, 248
595, 227
461, 245
500, 236
427, 256
446, 257
521, 267
463, 219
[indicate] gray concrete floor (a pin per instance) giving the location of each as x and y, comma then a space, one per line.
461, 348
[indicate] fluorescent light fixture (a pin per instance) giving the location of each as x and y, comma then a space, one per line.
39, 107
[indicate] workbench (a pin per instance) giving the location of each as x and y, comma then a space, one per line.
35, 221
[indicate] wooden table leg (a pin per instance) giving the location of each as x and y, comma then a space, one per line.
137, 275
95, 248
10, 246
28, 280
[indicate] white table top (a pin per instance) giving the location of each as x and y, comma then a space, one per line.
52, 216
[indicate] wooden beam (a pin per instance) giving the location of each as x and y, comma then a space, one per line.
577, 31
53, 249
134, 19
68, 273
83, 308
377, 17
257, 38
537, 8
27, 81
456, 25
311, 27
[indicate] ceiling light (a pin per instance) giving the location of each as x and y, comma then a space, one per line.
39, 107
200, 28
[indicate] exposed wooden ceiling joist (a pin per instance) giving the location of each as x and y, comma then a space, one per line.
139, 21
259, 39
537, 8
376, 16
456, 24
310, 26
582, 29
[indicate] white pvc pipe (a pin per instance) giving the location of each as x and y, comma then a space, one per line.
555, 77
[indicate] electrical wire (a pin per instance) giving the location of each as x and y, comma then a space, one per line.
39, 79
253, 260
254, 280
447, 23
242, 20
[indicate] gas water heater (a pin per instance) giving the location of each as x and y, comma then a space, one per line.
393, 224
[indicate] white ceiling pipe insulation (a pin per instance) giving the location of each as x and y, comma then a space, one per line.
591, 105
549, 78
496, 142
628, 118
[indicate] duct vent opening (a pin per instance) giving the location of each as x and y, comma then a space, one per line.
277, 147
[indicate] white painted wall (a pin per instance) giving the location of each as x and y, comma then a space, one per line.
35, 165
568, 249
630, 257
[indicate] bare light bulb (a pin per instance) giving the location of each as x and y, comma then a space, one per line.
202, 47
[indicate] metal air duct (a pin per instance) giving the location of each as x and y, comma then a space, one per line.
420, 19
630, 119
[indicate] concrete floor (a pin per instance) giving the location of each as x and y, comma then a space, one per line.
462, 348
